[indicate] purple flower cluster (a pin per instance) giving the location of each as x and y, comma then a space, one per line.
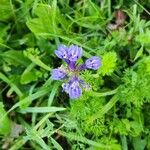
70, 55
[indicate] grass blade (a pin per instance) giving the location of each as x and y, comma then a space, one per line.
42, 109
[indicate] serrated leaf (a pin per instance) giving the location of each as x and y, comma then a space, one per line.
108, 63
144, 38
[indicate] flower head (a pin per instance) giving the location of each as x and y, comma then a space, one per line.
70, 55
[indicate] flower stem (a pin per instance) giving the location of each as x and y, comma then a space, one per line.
96, 94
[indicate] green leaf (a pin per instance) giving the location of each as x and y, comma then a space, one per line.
15, 58
5, 10
30, 74
46, 24
28, 77
139, 53
35, 59
11, 84
5, 123
108, 63
28, 99
56, 144
73, 136
34, 135
3, 30
105, 109
144, 38
53, 93
139, 143
42, 109
18, 144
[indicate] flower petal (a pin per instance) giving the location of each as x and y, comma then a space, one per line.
58, 74
74, 53
75, 90
93, 63
62, 52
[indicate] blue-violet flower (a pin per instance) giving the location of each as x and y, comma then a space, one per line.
70, 55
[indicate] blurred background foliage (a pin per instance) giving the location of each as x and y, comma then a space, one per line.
36, 114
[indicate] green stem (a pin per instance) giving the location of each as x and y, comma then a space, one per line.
96, 94
124, 142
